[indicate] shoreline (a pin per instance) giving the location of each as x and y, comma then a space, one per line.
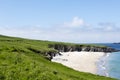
81, 61
101, 64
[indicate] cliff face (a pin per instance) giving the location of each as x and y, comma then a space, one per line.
70, 48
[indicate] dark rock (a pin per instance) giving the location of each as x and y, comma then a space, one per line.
69, 48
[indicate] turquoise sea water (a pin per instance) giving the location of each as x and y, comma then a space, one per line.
109, 65
113, 65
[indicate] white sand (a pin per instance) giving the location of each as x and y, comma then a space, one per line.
81, 61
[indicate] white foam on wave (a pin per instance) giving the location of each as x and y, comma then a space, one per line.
102, 68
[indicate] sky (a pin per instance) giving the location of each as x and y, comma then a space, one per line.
78, 21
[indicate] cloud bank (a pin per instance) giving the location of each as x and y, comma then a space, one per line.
77, 30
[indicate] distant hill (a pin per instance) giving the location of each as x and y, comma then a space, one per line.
26, 59
117, 43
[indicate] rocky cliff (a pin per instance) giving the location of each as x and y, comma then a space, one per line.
88, 48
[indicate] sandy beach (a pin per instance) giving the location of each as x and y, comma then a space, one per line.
81, 61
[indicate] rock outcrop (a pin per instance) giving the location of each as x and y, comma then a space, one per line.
88, 48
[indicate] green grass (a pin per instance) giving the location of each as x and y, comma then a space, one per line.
19, 62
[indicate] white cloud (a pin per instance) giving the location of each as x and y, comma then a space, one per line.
76, 22
108, 27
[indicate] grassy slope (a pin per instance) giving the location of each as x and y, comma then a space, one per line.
17, 62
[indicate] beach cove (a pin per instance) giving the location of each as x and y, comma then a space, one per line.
81, 61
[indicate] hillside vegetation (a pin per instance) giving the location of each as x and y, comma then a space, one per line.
24, 59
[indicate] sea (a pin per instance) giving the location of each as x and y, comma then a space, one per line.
109, 65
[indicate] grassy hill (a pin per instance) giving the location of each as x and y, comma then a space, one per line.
24, 59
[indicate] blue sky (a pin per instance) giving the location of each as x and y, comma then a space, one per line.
81, 21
